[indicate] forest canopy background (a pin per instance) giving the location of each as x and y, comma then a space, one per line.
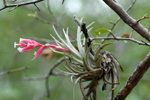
18, 24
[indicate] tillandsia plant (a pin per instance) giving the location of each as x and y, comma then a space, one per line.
86, 65
82, 63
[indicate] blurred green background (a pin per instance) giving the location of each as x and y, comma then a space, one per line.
17, 24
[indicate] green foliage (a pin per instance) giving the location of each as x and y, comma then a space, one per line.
101, 31
16, 24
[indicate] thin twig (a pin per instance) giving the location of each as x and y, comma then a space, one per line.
119, 38
144, 42
63, 1
44, 77
134, 78
13, 8
112, 35
97, 38
50, 73
77, 20
19, 4
53, 15
116, 22
144, 17
40, 19
36, 6
13, 70
139, 28
5, 3
131, 34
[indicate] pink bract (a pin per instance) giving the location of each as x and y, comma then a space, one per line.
26, 45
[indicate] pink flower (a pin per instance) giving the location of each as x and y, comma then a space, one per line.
39, 51
26, 45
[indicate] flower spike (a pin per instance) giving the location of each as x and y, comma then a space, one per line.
26, 45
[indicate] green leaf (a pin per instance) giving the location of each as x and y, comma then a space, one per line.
101, 31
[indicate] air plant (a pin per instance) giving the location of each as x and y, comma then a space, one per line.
86, 66
83, 64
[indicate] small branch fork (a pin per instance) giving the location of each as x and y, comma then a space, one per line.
51, 73
116, 22
46, 77
144, 17
134, 78
139, 28
19, 4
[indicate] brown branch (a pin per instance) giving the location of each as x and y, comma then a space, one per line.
112, 35
13, 70
50, 73
40, 19
134, 78
46, 77
144, 17
5, 2
77, 20
127, 10
119, 38
19, 4
97, 38
116, 22
36, 6
63, 1
139, 28
57, 24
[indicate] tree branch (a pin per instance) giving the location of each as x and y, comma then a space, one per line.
98, 38
134, 78
116, 22
46, 77
5, 2
19, 4
144, 17
119, 38
139, 28
13, 70
50, 73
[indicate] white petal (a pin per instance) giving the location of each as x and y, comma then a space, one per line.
15, 44
21, 39
35, 53
28, 44
20, 49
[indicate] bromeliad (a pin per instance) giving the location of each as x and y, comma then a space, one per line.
82, 63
